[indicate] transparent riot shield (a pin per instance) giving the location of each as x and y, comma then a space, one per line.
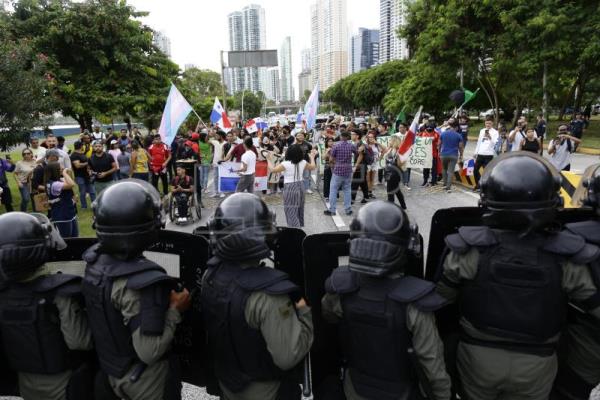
322, 254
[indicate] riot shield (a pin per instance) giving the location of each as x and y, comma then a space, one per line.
184, 257
322, 254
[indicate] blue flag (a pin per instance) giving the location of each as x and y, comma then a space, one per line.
176, 111
311, 108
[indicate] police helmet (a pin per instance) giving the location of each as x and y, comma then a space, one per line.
381, 239
242, 211
520, 189
26, 243
127, 217
588, 191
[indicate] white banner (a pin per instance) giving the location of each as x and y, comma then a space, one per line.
421, 153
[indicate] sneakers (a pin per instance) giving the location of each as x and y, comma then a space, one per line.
309, 191
349, 212
181, 219
407, 187
364, 201
214, 195
222, 195
327, 199
372, 196
328, 212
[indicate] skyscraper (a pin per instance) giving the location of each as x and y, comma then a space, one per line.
160, 40
364, 50
329, 42
247, 31
305, 59
392, 15
273, 89
285, 65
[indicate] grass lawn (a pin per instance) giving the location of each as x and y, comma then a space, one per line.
84, 216
591, 137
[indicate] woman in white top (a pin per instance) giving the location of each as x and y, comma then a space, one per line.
293, 191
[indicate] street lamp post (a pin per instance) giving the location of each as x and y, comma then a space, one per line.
243, 93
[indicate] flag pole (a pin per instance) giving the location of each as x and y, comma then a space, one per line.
199, 120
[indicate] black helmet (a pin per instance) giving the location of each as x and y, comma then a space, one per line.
242, 228
381, 239
127, 217
25, 244
588, 191
520, 190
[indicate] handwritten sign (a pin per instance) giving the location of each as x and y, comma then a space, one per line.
384, 141
421, 153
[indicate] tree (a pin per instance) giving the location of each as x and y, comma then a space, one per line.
253, 103
24, 95
198, 84
101, 58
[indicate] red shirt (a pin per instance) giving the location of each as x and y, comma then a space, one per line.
239, 150
436, 141
158, 155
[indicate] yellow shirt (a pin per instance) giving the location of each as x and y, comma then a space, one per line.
141, 162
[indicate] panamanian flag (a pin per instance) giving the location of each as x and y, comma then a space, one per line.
409, 138
219, 117
251, 126
228, 178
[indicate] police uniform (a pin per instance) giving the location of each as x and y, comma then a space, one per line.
43, 327
511, 280
127, 296
385, 315
255, 331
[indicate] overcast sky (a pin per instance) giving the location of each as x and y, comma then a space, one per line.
198, 28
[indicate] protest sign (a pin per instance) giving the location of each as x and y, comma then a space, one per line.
421, 153
228, 177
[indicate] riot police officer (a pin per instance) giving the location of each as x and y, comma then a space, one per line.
132, 309
42, 324
388, 329
257, 333
511, 279
579, 372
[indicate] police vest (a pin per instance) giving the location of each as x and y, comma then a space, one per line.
112, 337
240, 352
30, 325
374, 335
517, 293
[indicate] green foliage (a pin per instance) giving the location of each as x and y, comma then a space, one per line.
24, 89
100, 57
253, 103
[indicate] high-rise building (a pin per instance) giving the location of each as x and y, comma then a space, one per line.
285, 65
273, 89
329, 42
162, 42
247, 31
305, 59
392, 15
364, 50
304, 83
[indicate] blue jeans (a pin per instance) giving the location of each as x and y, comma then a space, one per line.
336, 182
140, 175
85, 187
406, 176
204, 171
68, 229
24, 190
216, 173
306, 178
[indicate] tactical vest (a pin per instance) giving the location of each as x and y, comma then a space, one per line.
590, 231
30, 325
112, 337
374, 334
240, 352
517, 293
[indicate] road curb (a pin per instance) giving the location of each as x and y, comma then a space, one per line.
583, 150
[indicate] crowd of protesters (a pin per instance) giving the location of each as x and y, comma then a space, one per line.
353, 161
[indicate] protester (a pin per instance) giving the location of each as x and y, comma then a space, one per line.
306, 148
577, 127
39, 152
218, 143
183, 187
392, 171
22, 174
59, 188
327, 167
6, 165
359, 172
139, 162
517, 135
486, 149
98, 135
247, 171
340, 157
206, 159
463, 125
37, 178
102, 167
82, 175
159, 159
114, 152
124, 162
530, 143
451, 151
375, 151
88, 150
561, 148
294, 190
430, 132
236, 152
502, 145
540, 130
52, 143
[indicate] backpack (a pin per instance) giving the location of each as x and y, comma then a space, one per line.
369, 156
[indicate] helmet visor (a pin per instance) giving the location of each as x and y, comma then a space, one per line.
54, 240
580, 195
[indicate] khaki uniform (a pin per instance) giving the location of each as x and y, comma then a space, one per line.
496, 374
426, 343
288, 334
77, 335
150, 349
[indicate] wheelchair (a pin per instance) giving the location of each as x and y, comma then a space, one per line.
193, 214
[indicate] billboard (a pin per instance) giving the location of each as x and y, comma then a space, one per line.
256, 58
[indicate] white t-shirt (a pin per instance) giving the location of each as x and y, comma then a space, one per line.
39, 153
519, 137
249, 158
485, 146
291, 173
562, 157
217, 151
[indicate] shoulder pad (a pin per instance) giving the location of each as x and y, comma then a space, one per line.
342, 281
564, 244
148, 278
90, 255
410, 289
433, 301
63, 284
590, 230
268, 279
588, 254
456, 243
480, 236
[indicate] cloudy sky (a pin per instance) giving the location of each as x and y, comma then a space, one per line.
198, 28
